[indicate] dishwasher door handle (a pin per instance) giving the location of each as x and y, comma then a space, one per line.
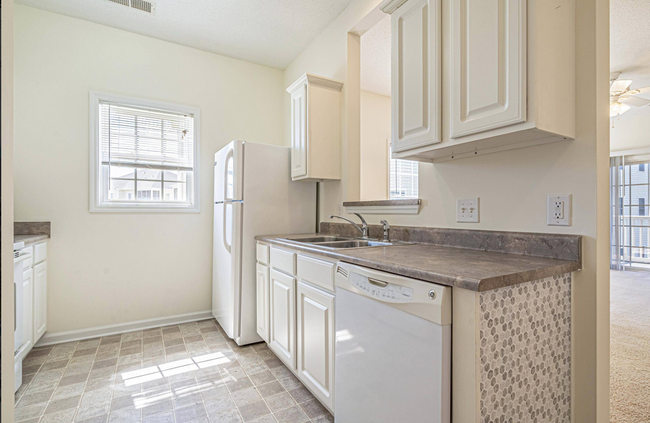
378, 283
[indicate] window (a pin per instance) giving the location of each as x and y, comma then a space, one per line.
403, 178
144, 155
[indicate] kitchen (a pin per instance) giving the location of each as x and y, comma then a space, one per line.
132, 269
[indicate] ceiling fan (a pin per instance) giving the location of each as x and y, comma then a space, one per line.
621, 97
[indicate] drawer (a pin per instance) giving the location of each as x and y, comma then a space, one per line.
263, 253
283, 260
40, 252
28, 263
317, 272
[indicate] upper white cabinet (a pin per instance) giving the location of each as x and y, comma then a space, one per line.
478, 76
488, 77
315, 128
416, 73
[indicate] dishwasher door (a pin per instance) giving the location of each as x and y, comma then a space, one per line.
393, 348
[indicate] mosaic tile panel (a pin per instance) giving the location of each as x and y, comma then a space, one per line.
525, 350
189, 373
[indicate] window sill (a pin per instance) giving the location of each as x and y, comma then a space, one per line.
405, 206
145, 208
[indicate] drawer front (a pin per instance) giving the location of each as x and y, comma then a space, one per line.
283, 260
263, 253
28, 263
317, 272
40, 252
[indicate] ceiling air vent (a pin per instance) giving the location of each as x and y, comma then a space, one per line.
143, 5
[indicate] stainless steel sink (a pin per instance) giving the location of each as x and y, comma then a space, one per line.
352, 244
318, 239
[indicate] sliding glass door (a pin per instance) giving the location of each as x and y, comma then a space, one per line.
630, 214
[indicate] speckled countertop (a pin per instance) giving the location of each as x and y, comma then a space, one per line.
32, 232
471, 269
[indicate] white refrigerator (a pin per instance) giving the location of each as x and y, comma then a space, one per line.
253, 195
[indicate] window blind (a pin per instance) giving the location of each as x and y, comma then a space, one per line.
158, 139
403, 179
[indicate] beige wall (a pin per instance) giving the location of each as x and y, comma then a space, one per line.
513, 186
6, 197
375, 133
107, 268
630, 133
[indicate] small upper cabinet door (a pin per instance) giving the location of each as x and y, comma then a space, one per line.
488, 65
316, 341
416, 74
40, 300
263, 301
283, 317
299, 132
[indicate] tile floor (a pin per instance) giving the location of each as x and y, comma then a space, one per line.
174, 374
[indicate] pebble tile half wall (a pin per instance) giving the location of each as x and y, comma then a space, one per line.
525, 350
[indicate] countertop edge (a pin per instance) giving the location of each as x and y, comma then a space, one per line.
472, 284
30, 239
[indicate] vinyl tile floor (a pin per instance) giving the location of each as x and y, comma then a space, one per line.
175, 374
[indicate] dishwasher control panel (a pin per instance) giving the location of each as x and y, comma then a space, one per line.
382, 290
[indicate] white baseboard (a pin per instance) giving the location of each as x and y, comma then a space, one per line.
89, 333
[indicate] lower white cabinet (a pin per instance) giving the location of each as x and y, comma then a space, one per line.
295, 315
315, 341
40, 300
263, 287
28, 308
282, 335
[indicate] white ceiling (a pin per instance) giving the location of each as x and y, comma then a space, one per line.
268, 32
375, 58
630, 45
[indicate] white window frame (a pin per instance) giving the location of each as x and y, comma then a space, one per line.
96, 201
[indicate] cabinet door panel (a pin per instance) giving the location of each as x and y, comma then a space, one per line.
263, 301
283, 317
315, 324
488, 65
28, 307
299, 133
40, 300
415, 62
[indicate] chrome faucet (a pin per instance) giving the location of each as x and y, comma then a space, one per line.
364, 225
386, 230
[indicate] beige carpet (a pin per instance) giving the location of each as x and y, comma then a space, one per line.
630, 347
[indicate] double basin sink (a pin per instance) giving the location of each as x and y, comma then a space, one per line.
337, 242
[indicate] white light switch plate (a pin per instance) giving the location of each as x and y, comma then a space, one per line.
558, 210
467, 210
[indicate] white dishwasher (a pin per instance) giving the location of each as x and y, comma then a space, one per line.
393, 348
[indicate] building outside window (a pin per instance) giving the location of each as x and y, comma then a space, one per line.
144, 155
633, 217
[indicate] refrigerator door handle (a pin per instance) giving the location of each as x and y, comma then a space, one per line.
229, 157
225, 213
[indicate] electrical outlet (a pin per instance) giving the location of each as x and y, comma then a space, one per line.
558, 211
467, 210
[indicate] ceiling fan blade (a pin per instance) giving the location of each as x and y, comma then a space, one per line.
620, 85
641, 90
635, 101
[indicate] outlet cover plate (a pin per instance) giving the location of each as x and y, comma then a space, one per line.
467, 210
558, 210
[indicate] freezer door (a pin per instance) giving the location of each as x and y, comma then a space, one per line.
229, 173
226, 266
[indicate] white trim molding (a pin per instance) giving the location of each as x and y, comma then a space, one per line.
389, 6
95, 195
97, 331
405, 206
